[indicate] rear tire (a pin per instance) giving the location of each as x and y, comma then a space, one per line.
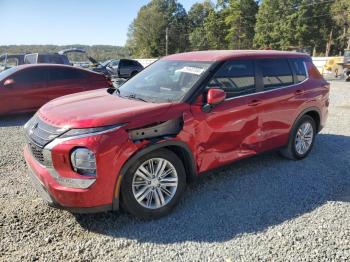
301, 139
153, 185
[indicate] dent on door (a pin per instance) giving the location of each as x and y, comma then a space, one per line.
227, 133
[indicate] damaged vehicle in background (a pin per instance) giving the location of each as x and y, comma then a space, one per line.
61, 57
7, 61
181, 116
123, 68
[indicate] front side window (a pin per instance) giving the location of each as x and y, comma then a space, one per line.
276, 73
33, 75
164, 81
236, 78
299, 69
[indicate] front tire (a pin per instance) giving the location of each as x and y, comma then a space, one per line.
153, 185
301, 139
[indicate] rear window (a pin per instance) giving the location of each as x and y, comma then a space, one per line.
57, 74
299, 69
236, 78
276, 73
50, 59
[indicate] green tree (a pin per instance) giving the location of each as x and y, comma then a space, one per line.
341, 15
146, 36
283, 24
196, 19
216, 30
240, 19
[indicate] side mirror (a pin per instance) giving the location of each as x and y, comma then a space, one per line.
9, 83
215, 96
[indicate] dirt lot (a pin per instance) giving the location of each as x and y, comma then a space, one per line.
263, 208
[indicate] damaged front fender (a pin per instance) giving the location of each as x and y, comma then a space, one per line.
167, 128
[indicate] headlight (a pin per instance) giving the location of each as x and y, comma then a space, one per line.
84, 161
90, 131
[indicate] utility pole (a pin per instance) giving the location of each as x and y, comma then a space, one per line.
329, 43
166, 41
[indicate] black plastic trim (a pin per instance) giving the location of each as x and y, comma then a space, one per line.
307, 110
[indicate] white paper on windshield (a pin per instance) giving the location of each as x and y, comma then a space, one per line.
191, 70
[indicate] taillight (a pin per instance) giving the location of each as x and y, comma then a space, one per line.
109, 81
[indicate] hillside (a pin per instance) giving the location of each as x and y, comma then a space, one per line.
99, 52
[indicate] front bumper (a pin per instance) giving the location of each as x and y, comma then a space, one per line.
71, 199
51, 201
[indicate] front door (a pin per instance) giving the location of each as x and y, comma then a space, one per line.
230, 130
27, 93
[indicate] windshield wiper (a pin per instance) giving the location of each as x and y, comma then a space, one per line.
133, 96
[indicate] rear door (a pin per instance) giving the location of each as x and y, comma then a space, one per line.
64, 81
125, 67
280, 95
28, 90
231, 129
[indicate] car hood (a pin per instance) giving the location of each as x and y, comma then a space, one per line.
99, 108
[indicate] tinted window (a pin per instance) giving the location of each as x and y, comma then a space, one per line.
135, 63
51, 59
235, 77
127, 63
299, 69
57, 74
276, 73
32, 75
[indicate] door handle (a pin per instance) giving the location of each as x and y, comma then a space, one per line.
255, 102
299, 92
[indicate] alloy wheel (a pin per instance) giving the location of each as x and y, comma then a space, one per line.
155, 183
304, 138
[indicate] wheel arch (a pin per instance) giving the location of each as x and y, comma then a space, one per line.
181, 149
313, 112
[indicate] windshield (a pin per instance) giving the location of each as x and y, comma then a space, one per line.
164, 81
347, 53
106, 62
6, 73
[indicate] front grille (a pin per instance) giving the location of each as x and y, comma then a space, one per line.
39, 134
37, 152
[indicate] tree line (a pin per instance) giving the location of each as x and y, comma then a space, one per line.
320, 27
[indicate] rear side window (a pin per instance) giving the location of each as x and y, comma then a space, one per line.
299, 69
135, 63
276, 73
33, 75
236, 78
57, 74
127, 63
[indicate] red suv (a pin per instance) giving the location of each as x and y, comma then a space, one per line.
183, 115
26, 88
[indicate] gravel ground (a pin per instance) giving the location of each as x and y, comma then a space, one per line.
263, 208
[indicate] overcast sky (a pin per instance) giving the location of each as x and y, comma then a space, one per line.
65, 22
